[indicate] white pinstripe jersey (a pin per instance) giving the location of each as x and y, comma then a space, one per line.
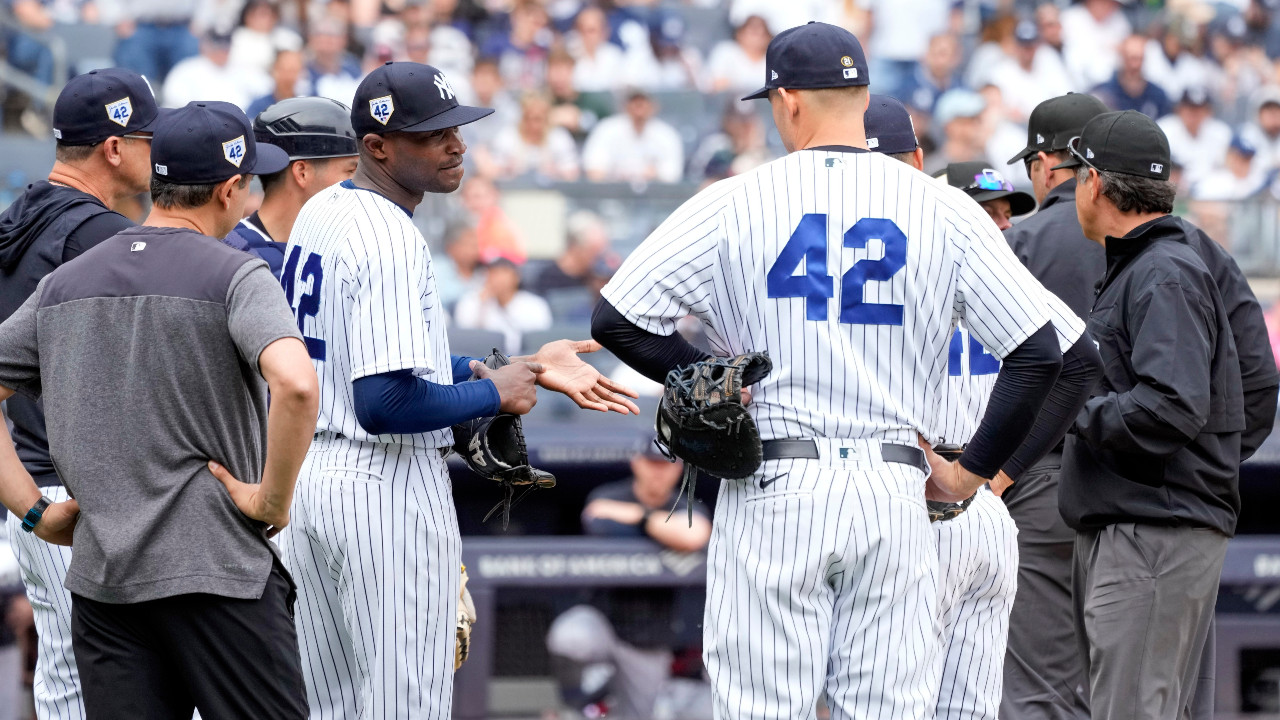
851, 270
358, 276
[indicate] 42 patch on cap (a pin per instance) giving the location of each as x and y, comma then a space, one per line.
233, 151
381, 108
120, 111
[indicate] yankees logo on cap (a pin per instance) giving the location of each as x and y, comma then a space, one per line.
409, 97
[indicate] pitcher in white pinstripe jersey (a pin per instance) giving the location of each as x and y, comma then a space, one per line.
851, 270
374, 545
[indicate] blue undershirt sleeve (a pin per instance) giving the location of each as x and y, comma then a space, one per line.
403, 404
461, 369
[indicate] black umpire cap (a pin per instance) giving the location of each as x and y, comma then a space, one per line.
810, 57
889, 127
104, 103
209, 142
1055, 121
408, 97
307, 128
1122, 142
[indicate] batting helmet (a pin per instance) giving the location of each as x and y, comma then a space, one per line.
307, 128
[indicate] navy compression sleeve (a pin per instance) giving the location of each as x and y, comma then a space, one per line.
462, 368
1081, 366
651, 355
1024, 381
399, 402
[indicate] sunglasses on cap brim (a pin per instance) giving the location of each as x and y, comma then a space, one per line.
990, 181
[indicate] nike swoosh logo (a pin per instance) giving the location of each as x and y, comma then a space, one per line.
766, 483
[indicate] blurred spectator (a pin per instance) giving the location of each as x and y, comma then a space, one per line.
1031, 75
1172, 65
1240, 179
211, 76
900, 32
631, 646
1243, 66
1129, 88
1091, 34
784, 15
634, 146
534, 148
672, 66
587, 262
500, 305
488, 90
599, 64
995, 46
35, 17
1197, 140
1264, 132
572, 110
737, 65
440, 45
154, 35
958, 115
1049, 21
495, 233
333, 72
260, 36
458, 270
286, 76
521, 51
738, 147
938, 72
1004, 138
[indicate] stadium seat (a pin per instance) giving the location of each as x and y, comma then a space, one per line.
89, 46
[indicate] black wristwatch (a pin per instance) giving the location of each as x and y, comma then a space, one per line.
32, 518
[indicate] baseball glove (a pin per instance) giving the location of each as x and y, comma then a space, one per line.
942, 511
702, 420
466, 618
494, 448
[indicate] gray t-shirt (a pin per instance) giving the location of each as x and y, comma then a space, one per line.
145, 349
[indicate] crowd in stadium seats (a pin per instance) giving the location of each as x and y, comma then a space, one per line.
646, 92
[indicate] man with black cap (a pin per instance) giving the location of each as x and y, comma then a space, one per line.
987, 186
1151, 467
103, 122
378, 591
316, 133
850, 270
150, 352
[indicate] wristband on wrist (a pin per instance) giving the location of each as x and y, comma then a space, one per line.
32, 518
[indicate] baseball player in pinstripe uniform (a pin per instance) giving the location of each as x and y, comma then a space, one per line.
851, 271
374, 542
977, 550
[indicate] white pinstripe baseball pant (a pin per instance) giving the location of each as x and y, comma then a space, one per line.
374, 548
824, 580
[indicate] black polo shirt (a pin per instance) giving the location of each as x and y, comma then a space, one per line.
1159, 442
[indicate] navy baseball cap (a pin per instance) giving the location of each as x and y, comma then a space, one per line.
984, 183
889, 127
208, 142
408, 97
1126, 142
810, 57
1055, 121
104, 103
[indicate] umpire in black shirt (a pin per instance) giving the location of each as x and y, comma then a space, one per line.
1151, 468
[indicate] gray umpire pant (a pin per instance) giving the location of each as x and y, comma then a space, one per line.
1144, 598
1044, 675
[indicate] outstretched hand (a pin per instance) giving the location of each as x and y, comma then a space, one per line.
58, 523
565, 372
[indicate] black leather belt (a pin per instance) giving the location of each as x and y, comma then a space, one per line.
805, 449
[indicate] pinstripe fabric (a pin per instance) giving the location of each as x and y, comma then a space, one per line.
44, 569
374, 549
824, 583
978, 562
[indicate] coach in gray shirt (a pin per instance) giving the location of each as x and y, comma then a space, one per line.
150, 352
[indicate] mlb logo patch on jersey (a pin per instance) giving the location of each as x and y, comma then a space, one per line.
120, 111
233, 151
382, 108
